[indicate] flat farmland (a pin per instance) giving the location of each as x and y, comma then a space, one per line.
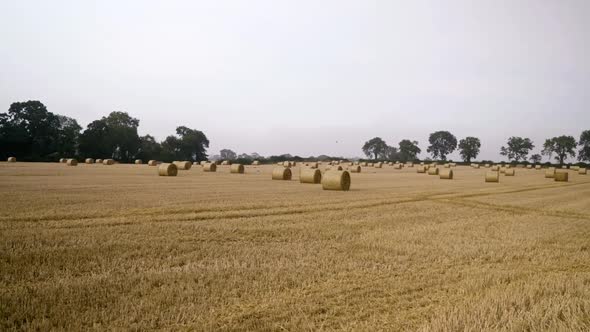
97, 247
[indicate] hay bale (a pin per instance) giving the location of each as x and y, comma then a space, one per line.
487, 165
203, 162
313, 164
293, 163
379, 165
236, 169
108, 162
561, 176
529, 166
281, 173
397, 166
11, 160
210, 167
334, 168
336, 180
256, 163
371, 165
454, 164
183, 165
509, 172
502, 170
287, 164
310, 175
538, 167
520, 166
495, 168
152, 163
63, 160
421, 169
422, 163
447, 165
72, 162
575, 168
433, 171
167, 170
98, 161
364, 164
89, 161
476, 166
550, 173
446, 174
410, 165
492, 176
354, 169
226, 163
138, 162
582, 171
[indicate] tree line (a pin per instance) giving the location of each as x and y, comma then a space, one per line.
30, 132
517, 149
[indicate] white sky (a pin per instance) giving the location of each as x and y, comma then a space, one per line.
307, 77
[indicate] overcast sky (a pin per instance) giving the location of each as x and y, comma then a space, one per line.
307, 77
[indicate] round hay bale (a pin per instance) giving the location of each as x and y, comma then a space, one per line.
210, 167
256, 162
167, 170
564, 167
310, 175
98, 161
72, 162
421, 169
11, 160
203, 162
502, 170
379, 165
293, 163
153, 163
410, 165
225, 163
108, 162
313, 164
397, 166
550, 173
421, 163
447, 165
89, 161
287, 164
538, 167
454, 164
446, 174
371, 164
582, 171
495, 168
334, 168
63, 160
365, 164
138, 161
492, 176
336, 180
354, 169
236, 169
183, 165
519, 165
281, 173
561, 176
529, 166
575, 168
509, 172
487, 165
476, 166
433, 171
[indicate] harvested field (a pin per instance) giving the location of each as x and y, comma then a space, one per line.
103, 248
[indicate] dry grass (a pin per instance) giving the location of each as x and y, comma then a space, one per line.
102, 248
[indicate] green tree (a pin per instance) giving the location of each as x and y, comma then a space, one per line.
193, 144
584, 143
67, 138
408, 150
517, 148
114, 136
94, 141
149, 148
442, 143
227, 154
171, 149
536, 158
469, 148
563, 146
375, 147
391, 153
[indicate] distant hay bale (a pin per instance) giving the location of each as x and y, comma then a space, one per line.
354, 169
475, 166
89, 161
502, 170
364, 164
529, 166
63, 160
575, 168
487, 166
492, 176
433, 171
152, 163
210, 167
410, 165
550, 173
98, 161
236, 169
72, 162
256, 162
447, 165
582, 171
379, 165
538, 167
138, 162
453, 164
509, 172
397, 166
561, 176
183, 165
313, 164
226, 163
427, 167
287, 164
11, 159
336, 180
564, 167
371, 165
310, 175
519, 166
108, 162
203, 162
167, 170
293, 163
350, 163
446, 174
495, 168
421, 169
281, 173
334, 168
422, 163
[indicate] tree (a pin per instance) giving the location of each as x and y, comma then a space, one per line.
536, 158
562, 146
192, 144
442, 143
391, 153
227, 154
149, 148
94, 141
375, 147
68, 135
114, 136
469, 148
408, 150
584, 153
171, 149
518, 148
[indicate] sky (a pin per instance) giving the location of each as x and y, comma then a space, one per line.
307, 77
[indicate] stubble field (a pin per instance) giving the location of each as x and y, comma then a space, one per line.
98, 247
